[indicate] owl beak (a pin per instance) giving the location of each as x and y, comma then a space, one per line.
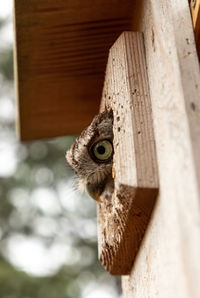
95, 190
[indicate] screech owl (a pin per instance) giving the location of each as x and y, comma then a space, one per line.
91, 155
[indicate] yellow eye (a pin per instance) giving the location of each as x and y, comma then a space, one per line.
102, 150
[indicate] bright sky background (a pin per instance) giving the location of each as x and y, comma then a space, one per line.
6, 36
8, 161
6, 8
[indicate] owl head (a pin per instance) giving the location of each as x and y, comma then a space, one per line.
91, 155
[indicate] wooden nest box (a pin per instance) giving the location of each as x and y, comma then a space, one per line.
152, 84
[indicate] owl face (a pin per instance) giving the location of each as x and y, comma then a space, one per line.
91, 155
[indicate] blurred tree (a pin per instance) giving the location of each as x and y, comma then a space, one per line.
37, 203
2, 22
6, 63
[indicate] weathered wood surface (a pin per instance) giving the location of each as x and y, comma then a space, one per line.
195, 12
61, 54
123, 218
168, 261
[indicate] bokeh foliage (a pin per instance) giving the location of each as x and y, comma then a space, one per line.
41, 165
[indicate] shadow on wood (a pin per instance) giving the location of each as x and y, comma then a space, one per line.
129, 214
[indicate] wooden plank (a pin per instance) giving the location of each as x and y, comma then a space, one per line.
168, 262
61, 53
124, 216
195, 12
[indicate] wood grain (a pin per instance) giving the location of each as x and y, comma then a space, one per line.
61, 51
167, 264
195, 12
123, 218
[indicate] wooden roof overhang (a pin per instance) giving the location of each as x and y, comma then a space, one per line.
61, 51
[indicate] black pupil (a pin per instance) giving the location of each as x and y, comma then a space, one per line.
101, 150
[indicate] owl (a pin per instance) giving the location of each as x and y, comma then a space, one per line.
91, 155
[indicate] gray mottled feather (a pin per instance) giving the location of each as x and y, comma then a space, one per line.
78, 157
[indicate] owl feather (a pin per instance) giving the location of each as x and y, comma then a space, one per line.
90, 156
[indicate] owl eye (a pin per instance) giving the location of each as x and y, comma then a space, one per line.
102, 150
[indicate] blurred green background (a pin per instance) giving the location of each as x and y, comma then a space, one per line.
48, 232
